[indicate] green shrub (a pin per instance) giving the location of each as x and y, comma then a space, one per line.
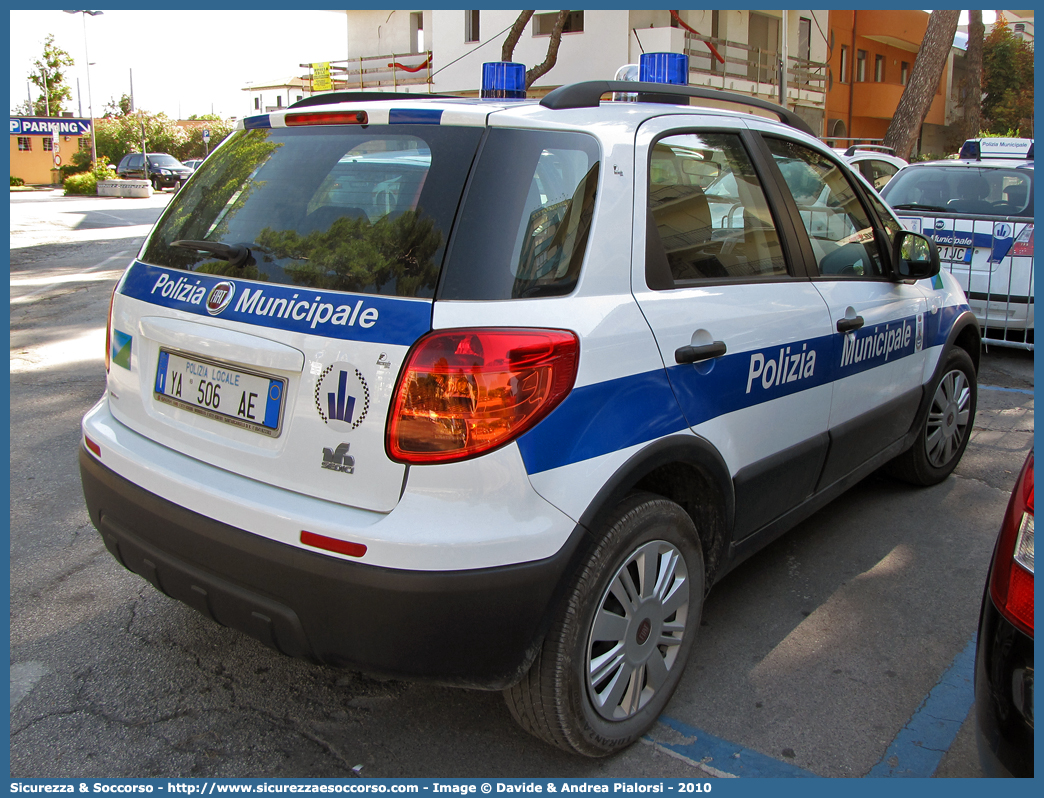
17, 181
103, 172
83, 183
80, 162
87, 182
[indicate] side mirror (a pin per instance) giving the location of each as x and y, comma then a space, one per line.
915, 256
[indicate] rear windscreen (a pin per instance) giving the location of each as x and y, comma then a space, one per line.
361, 209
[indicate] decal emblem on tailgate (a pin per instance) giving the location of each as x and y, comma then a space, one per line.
338, 459
342, 396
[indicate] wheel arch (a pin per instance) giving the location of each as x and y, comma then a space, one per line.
688, 470
966, 334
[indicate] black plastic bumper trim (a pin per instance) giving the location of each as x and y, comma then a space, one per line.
476, 628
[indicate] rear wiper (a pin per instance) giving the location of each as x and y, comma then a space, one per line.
235, 254
916, 206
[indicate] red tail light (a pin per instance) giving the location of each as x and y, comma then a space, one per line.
1023, 247
465, 392
108, 330
1012, 583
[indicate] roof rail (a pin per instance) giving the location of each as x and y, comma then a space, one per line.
330, 97
874, 147
588, 94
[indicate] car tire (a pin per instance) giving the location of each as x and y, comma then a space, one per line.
945, 429
156, 185
627, 621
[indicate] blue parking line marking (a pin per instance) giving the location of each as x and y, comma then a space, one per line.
915, 752
724, 759
922, 743
1027, 391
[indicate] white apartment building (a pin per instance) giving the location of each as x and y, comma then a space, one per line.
442, 51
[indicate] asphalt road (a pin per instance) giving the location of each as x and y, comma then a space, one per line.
816, 657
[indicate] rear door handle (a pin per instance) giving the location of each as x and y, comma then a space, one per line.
847, 325
694, 354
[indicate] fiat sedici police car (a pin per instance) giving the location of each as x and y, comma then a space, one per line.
490, 392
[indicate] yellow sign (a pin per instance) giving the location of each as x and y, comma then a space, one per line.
321, 77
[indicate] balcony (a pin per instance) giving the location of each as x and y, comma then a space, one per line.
382, 71
752, 70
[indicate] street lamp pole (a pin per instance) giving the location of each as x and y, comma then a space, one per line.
87, 60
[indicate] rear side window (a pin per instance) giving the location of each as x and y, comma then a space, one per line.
524, 227
708, 218
878, 173
971, 190
361, 209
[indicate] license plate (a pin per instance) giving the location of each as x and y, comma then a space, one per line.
245, 399
955, 254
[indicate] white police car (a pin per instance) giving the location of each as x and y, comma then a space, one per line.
491, 392
877, 163
979, 211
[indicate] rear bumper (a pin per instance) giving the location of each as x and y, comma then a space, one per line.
476, 628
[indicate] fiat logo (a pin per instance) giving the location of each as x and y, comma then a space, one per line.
219, 297
643, 632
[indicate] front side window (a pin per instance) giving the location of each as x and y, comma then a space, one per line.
348, 208
709, 216
838, 226
524, 227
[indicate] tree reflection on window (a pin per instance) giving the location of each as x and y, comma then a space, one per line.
353, 254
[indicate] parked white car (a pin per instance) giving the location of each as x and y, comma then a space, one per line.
877, 163
979, 211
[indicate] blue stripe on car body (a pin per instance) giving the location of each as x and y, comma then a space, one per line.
331, 314
601, 418
262, 122
610, 416
414, 116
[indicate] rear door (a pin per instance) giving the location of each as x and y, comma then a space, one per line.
744, 335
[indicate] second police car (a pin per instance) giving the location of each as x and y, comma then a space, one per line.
491, 392
979, 211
